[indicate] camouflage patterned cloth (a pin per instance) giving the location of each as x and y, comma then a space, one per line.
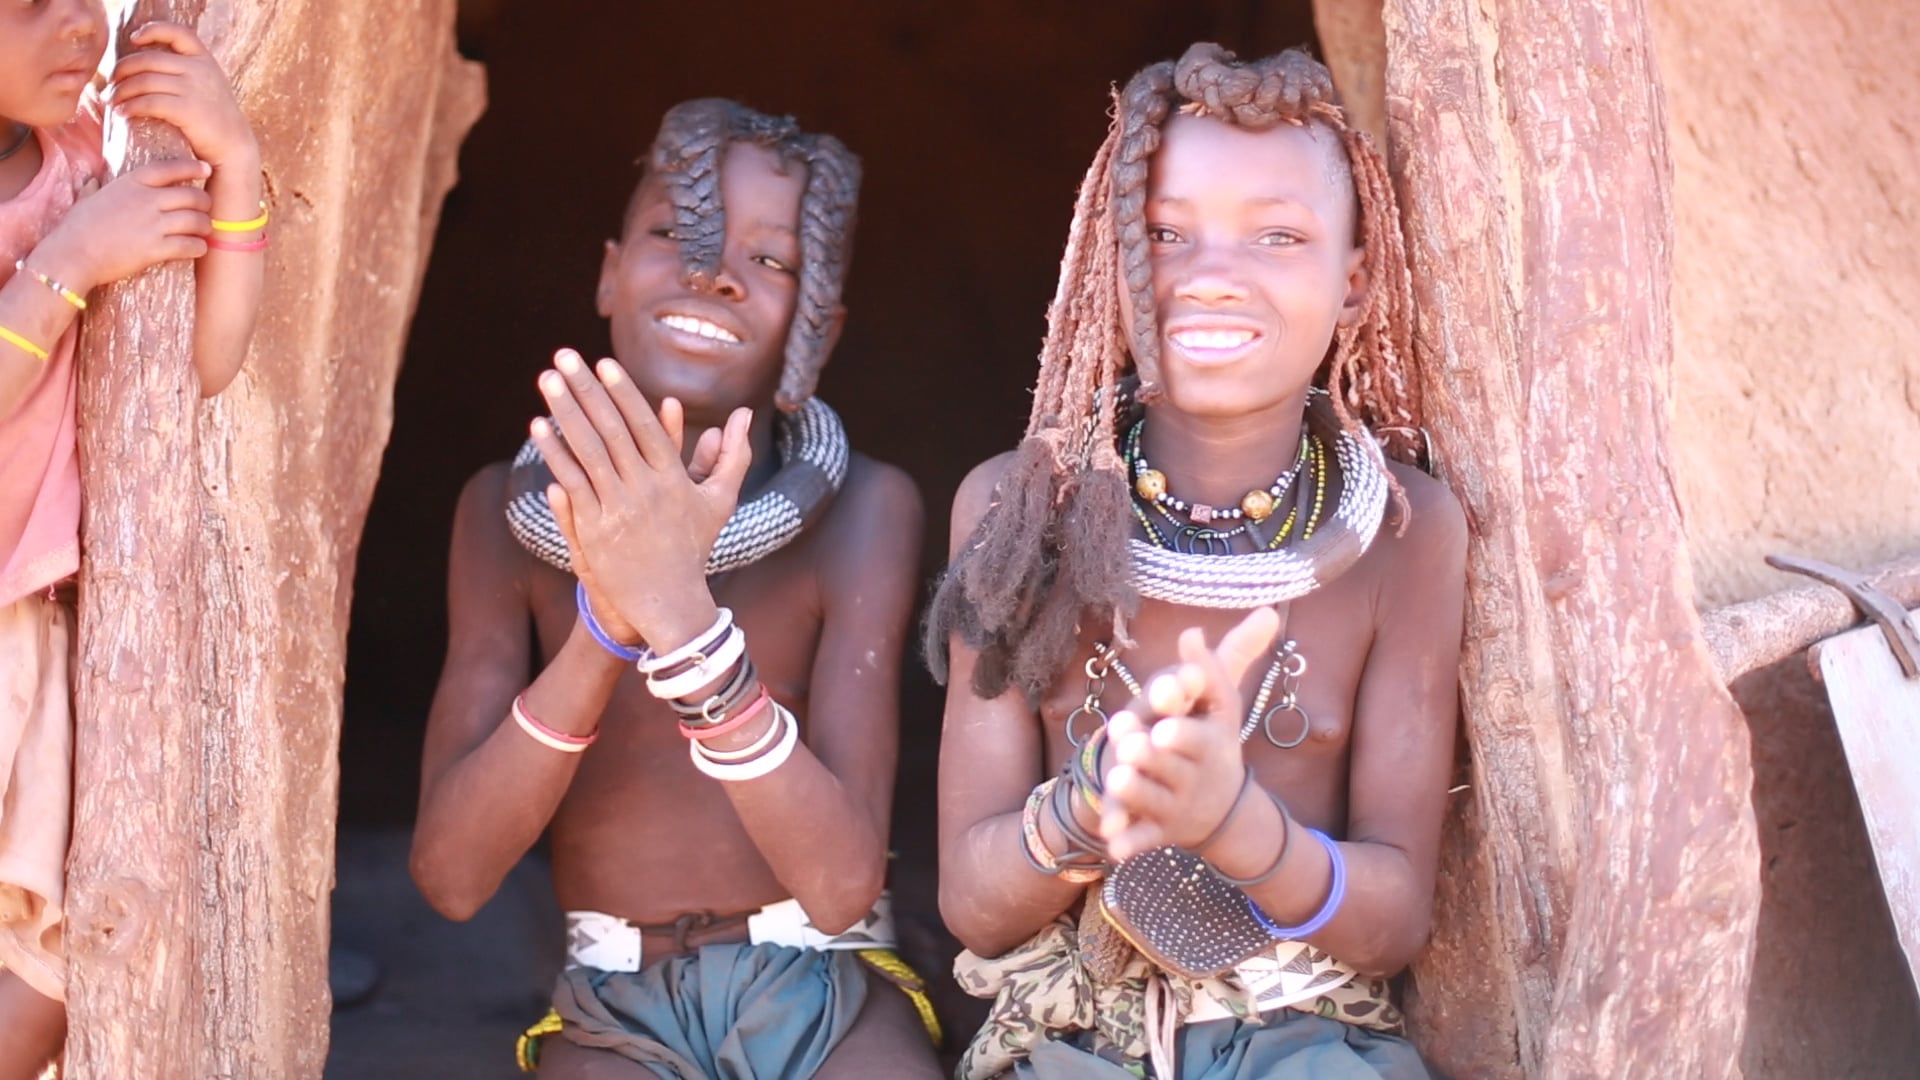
1077, 1003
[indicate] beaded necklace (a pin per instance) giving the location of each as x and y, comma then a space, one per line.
1204, 540
1151, 484
1263, 578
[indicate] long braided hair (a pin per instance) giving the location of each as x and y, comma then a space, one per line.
1051, 551
686, 155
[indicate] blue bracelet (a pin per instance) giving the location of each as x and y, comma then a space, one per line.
1335, 894
628, 653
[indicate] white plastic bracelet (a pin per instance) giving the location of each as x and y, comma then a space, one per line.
649, 663
759, 746
546, 736
758, 767
710, 669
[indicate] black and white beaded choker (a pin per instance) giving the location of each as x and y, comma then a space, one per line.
1264, 578
813, 465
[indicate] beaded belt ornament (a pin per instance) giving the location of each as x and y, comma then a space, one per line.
1290, 973
1172, 907
1264, 578
813, 464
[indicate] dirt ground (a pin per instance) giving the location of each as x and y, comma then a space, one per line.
452, 997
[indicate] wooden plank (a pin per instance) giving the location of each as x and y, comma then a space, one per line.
1877, 710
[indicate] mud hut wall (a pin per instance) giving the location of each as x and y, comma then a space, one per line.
1797, 419
1796, 283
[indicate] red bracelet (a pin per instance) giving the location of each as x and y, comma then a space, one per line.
732, 723
548, 737
214, 243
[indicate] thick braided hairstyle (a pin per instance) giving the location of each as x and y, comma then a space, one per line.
686, 155
1051, 553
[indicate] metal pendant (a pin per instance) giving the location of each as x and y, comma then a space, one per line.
1306, 725
1287, 669
1100, 720
1097, 667
1197, 541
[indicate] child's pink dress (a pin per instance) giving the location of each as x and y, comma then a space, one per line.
39, 549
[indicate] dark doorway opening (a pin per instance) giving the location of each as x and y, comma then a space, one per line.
975, 122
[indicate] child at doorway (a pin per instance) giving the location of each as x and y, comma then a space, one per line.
717, 798
1204, 635
67, 228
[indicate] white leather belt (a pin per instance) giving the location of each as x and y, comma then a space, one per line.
611, 943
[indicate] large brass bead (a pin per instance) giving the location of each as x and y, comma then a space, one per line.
1258, 505
1151, 484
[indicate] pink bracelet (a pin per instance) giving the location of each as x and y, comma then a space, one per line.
214, 243
733, 723
546, 736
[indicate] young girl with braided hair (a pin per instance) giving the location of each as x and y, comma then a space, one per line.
713, 592
67, 227
1201, 629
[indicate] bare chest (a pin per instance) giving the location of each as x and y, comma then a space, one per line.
1297, 703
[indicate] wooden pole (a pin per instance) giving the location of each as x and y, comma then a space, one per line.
1756, 633
142, 718
1355, 47
220, 540
1600, 890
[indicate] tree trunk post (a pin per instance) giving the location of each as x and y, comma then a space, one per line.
1600, 887
220, 539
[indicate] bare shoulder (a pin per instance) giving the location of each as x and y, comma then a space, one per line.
874, 524
877, 492
486, 489
483, 498
976, 493
480, 534
1434, 540
1436, 510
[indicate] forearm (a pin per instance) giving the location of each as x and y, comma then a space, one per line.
489, 806
37, 314
821, 840
228, 284
1382, 920
991, 897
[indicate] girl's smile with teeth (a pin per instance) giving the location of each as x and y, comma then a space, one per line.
688, 324
1212, 339
1203, 344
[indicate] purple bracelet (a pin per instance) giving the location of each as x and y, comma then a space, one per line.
1335, 894
629, 654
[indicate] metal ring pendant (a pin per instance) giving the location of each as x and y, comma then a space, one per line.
1074, 716
1306, 725
1196, 541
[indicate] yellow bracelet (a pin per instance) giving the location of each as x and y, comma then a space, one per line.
79, 302
23, 344
244, 226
